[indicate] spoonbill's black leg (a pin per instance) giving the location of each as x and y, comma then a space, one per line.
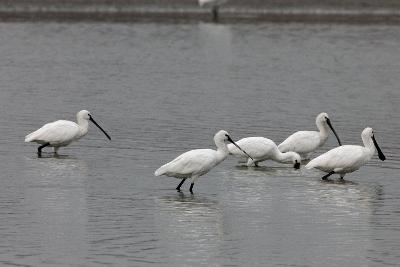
39, 151
191, 188
180, 184
215, 13
326, 176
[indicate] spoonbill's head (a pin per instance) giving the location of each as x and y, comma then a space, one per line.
368, 133
296, 159
323, 119
221, 135
85, 115
224, 137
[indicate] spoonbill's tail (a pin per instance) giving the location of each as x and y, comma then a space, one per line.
28, 138
312, 164
160, 171
32, 136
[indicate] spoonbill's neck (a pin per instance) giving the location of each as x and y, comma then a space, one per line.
222, 149
369, 145
284, 157
83, 125
323, 130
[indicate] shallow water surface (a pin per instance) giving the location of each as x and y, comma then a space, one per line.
160, 90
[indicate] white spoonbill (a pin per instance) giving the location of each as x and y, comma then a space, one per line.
62, 133
347, 158
198, 162
305, 142
214, 4
260, 149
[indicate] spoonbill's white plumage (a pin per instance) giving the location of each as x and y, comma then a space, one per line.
305, 142
195, 163
347, 158
214, 4
62, 132
260, 149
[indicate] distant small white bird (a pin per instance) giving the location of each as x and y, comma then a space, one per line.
347, 158
305, 142
260, 149
214, 4
198, 162
61, 133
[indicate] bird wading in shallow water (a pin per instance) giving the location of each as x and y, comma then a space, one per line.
260, 149
62, 132
305, 142
214, 4
347, 158
195, 163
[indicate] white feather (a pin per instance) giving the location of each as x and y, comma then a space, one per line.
62, 132
347, 158
305, 142
195, 163
302, 142
260, 149
56, 133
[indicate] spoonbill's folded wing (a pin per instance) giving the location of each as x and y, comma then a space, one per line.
256, 147
343, 157
54, 133
192, 162
302, 141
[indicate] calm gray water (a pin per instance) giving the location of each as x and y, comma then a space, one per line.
160, 90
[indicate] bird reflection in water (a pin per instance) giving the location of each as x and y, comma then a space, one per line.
193, 224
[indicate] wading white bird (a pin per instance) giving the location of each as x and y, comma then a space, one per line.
61, 133
214, 4
260, 149
305, 142
347, 158
195, 163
